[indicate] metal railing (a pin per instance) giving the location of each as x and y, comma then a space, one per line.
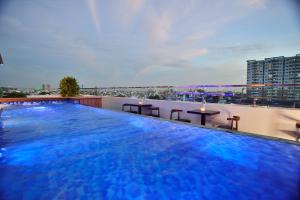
273, 95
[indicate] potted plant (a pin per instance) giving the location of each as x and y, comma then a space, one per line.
69, 87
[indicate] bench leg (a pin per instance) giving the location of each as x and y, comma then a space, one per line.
203, 119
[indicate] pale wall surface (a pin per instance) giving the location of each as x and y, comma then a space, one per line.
276, 122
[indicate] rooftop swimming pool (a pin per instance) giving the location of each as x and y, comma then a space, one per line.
70, 151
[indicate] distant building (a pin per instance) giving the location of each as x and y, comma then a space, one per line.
276, 70
255, 75
43, 87
48, 87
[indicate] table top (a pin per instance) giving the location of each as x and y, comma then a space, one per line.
152, 108
205, 112
137, 104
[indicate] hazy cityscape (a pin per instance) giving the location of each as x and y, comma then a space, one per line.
270, 82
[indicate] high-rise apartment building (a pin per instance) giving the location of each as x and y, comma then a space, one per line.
276, 70
48, 87
255, 75
43, 87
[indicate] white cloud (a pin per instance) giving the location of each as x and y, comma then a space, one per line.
200, 36
128, 9
161, 37
170, 59
256, 3
94, 14
192, 53
160, 28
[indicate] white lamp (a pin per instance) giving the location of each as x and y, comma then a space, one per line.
202, 109
141, 102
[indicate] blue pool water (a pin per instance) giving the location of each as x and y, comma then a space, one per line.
70, 151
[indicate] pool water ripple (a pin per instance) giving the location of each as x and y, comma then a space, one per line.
70, 151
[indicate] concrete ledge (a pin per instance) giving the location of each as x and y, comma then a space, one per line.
88, 101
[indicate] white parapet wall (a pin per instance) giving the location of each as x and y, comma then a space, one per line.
270, 121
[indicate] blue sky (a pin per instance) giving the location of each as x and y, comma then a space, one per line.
140, 42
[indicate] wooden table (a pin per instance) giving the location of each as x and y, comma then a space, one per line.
151, 109
203, 114
140, 106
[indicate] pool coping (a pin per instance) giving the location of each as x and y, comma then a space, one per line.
242, 133
84, 100
29, 99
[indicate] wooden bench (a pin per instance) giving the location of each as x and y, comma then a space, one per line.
233, 120
178, 111
151, 109
298, 131
130, 108
139, 107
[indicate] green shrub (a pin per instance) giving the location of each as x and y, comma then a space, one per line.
68, 87
44, 93
15, 95
154, 96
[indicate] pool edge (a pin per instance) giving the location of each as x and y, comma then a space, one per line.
242, 133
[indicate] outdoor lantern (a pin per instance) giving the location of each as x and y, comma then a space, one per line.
1, 60
203, 105
202, 108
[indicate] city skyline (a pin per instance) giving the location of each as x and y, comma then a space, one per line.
275, 70
137, 42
